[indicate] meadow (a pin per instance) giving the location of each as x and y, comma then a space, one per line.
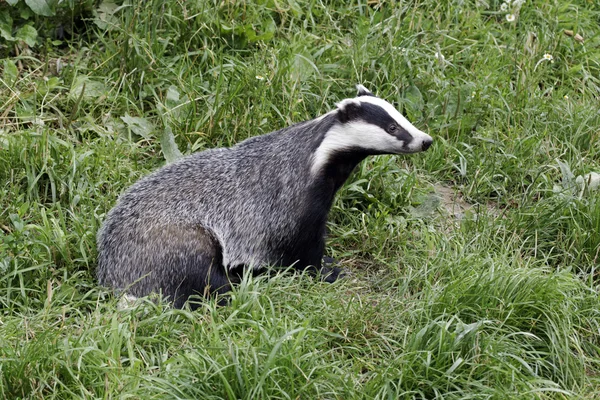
473, 266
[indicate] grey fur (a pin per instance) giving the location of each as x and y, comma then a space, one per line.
192, 226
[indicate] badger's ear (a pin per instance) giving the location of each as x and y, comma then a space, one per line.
347, 109
363, 91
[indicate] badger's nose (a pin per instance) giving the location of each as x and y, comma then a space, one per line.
426, 144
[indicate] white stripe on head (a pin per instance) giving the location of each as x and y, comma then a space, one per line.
363, 91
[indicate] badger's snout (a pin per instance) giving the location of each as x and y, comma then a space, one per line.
420, 141
426, 144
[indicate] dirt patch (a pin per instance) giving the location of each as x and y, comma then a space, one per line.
451, 201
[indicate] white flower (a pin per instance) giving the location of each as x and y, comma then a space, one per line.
260, 77
546, 57
439, 56
510, 17
566, 97
38, 121
504, 7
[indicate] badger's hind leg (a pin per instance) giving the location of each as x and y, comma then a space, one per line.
200, 259
181, 261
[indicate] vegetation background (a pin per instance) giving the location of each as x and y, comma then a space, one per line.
474, 265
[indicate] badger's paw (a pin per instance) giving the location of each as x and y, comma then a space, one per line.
331, 275
330, 272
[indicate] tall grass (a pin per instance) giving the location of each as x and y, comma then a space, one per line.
497, 301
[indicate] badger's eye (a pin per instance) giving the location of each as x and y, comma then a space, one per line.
393, 128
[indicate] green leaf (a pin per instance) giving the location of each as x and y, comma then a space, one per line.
169, 147
6, 24
49, 85
250, 34
11, 73
27, 34
139, 126
414, 102
25, 13
172, 96
93, 89
105, 17
17, 222
297, 10
12, 2
40, 7
174, 106
303, 67
268, 31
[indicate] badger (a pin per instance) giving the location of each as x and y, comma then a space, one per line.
194, 226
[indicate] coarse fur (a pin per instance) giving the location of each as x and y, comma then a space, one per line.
192, 227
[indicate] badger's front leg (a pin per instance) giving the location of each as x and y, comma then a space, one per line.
313, 260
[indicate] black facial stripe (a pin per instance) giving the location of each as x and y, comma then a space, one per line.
402, 134
377, 116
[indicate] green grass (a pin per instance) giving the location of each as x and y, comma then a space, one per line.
499, 302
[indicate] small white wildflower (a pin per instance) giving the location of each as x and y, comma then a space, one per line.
545, 57
38, 121
473, 94
260, 77
126, 301
510, 17
504, 7
566, 97
439, 56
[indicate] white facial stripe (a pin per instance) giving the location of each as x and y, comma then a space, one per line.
356, 134
363, 89
342, 104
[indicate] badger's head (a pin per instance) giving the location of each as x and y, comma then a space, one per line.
374, 124
369, 125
